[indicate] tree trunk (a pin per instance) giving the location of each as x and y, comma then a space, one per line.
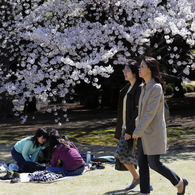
105, 96
88, 95
30, 106
6, 107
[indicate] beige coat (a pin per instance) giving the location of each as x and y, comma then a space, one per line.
150, 123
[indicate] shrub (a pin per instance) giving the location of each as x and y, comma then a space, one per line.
184, 88
193, 87
189, 88
169, 90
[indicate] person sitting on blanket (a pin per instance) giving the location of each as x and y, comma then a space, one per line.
26, 150
65, 157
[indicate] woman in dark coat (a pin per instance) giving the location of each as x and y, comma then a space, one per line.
127, 113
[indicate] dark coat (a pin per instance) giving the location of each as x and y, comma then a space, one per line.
131, 110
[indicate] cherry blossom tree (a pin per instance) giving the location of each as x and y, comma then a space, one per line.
49, 47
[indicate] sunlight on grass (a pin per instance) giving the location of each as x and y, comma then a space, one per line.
100, 137
103, 137
177, 133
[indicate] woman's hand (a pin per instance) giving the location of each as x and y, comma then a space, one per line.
135, 136
127, 136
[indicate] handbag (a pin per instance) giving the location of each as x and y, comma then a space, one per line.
120, 166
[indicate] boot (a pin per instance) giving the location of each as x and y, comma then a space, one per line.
16, 175
9, 175
16, 178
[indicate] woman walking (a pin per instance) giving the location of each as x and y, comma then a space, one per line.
151, 128
127, 112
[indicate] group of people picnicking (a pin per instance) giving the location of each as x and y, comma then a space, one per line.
140, 128
63, 155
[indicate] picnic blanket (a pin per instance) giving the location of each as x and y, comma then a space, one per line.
43, 176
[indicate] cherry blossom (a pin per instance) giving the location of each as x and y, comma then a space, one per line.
54, 45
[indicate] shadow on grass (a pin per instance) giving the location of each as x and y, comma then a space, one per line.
79, 120
121, 192
176, 156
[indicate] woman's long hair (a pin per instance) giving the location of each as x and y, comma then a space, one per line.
55, 139
154, 66
40, 132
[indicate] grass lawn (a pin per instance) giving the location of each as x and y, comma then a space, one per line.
108, 181
97, 129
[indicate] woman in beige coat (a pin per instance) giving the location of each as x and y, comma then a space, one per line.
151, 128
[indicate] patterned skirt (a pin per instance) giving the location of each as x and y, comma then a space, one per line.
124, 154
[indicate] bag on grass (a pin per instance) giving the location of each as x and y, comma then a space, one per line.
3, 167
104, 159
13, 167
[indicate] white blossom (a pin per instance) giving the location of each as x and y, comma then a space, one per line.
186, 70
193, 66
54, 44
174, 70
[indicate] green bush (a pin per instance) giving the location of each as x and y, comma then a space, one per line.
169, 90
193, 87
184, 88
190, 88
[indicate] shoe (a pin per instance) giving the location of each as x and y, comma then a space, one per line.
61, 174
16, 175
97, 165
185, 183
133, 185
100, 166
15, 180
151, 188
9, 175
93, 167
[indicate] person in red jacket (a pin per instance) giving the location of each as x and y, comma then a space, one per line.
65, 157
